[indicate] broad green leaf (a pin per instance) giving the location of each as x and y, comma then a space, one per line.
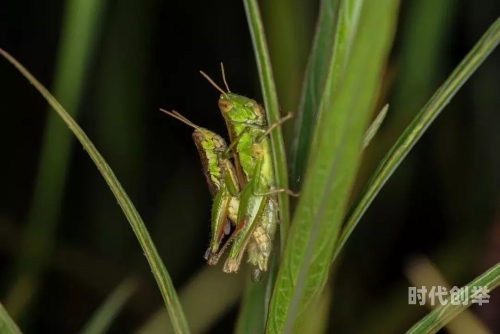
7, 325
80, 30
271, 105
157, 267
418, 126
335, 32
443, 314
103, 317
344, 112
315, 318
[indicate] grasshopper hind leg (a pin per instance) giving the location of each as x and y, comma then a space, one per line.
209, 256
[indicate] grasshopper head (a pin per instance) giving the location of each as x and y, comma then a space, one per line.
205, 140
241, 110
208, 140
238, 109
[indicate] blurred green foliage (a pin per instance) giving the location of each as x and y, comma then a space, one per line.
442, 201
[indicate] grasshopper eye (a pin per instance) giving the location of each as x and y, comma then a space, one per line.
225, 106
258, 110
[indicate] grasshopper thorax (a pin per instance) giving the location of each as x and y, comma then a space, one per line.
210, 147
209, 140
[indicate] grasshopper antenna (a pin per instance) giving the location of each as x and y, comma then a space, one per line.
181, 118
224, 77
213, 83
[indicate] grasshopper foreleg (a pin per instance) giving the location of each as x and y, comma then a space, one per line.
274, 126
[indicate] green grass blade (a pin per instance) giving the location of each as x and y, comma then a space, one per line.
7, 325
421, 272
255, 304
312, 88
271, 104
80, 28
253, 310
345, 109
251, 318
337, 24
425, 37
157, 267
207, 296
289, 45
123, 67
377, 122
443, 314
418, 126
315, 318
107, 312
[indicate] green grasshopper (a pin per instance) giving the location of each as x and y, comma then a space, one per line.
224, 187
248, 130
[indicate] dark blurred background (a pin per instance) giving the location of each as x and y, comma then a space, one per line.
65, 243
